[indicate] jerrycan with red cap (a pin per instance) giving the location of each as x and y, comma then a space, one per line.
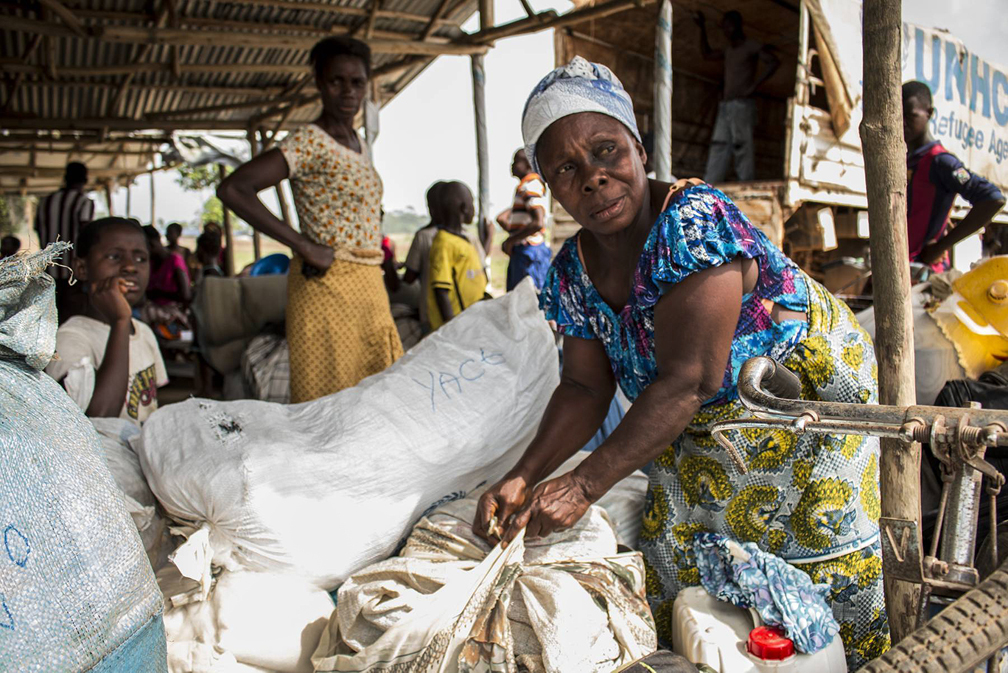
730, 639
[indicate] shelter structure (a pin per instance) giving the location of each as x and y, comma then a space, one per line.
107, 82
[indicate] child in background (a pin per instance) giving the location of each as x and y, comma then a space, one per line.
108, 362
169, 276
457, 278
525, 222
172, 235
418, 257
934, 177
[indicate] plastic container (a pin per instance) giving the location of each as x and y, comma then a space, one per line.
734, 640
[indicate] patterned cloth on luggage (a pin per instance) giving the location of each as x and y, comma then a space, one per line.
746, 576
339, 328
813, 500
266, 366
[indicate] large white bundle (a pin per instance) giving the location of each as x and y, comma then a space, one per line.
326, 487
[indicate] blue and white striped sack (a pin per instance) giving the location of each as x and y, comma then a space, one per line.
76, 589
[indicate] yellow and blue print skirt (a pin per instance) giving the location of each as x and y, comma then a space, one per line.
812, 500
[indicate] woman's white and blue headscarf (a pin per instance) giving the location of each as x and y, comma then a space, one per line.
579, 86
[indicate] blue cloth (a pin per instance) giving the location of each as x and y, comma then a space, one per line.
700, 229
579, 86
612, 419
782, 594
277, 263
528, 260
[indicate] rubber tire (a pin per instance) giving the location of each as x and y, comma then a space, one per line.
961, 637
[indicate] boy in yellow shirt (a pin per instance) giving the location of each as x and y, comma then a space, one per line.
457, 278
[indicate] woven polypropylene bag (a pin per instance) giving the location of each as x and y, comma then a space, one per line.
76, 590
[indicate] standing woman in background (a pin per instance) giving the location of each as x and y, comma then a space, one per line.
339, 324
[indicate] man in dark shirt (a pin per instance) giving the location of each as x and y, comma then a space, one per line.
736, 116
934, 177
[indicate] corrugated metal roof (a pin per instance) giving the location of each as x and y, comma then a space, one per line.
121, 79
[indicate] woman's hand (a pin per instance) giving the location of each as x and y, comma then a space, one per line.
109, 298
555, 505
498, 504
319, 256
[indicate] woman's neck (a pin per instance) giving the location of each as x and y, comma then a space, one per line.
339, 127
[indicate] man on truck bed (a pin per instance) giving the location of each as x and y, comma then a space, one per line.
934, 177
736, 116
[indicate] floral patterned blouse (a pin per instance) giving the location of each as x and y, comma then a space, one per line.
699, 229
337, 193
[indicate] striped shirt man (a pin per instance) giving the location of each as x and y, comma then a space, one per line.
60, 217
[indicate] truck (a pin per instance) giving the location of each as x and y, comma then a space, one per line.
809, 194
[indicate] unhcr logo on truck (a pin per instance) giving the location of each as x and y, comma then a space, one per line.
970, 98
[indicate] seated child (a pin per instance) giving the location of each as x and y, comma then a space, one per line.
457, 278
108, 362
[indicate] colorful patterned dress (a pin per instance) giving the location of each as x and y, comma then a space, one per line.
339, 325
812, 500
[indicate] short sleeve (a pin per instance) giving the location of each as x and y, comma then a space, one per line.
295, 150
74, 365
440, 265
563, 298
954, 177
700, 229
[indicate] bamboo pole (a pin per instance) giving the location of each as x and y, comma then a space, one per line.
885, 175
108, 197
662, 147
152, 210
129, 197
229, 266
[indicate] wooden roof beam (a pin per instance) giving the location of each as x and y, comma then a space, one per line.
149, 37
66, 16
340, 9
433, 24
12, 89
550, 19
173, 88
167, 7
123, 124
222, 107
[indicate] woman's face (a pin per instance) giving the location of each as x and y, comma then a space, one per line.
342, 84
595, 168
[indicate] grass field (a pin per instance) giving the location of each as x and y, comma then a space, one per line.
244, 254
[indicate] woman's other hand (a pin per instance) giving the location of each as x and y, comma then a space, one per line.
555, 505
319, 256
498, 504
109, 298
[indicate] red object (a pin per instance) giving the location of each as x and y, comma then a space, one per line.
769, 643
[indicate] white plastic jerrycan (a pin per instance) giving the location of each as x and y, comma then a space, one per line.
730, 639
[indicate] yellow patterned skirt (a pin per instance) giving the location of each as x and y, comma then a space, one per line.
339, 328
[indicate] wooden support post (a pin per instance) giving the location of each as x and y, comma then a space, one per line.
229, 265
152, 210
885, 174
256, 240
479, 106
129, 196
662, 123
108, 197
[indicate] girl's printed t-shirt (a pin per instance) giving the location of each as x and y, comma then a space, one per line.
80, 349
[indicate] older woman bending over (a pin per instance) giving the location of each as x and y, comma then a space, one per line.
666, 291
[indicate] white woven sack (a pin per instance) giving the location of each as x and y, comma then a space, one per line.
76, 590
324, 488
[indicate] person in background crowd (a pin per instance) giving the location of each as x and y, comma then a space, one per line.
736, 115
525, 222
665, 291
339, 321
934, 177
418, 257
172, 235
59, 217
457, 279
169, 276
389, 266
208, 252
109, 362
9, 246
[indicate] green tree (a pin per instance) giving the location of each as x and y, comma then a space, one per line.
213, 211
199, 178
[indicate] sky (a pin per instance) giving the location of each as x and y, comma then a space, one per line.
427, 131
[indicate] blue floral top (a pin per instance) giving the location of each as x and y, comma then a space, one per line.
701, 228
